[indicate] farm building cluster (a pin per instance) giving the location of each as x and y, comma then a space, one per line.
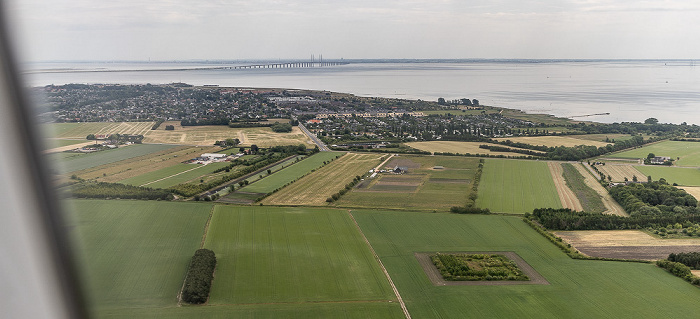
208, 158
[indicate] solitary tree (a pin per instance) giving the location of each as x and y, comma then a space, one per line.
651, 120
634, 178
649, 178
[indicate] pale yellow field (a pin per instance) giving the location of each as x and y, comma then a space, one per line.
553, 141
208, 135
315, 188
611, 238
459, 147
695, 191
618, 172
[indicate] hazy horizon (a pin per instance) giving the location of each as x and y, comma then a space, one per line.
178, 30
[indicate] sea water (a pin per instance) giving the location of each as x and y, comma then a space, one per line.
629, 90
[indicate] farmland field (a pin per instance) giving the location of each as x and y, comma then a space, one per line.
90, 160
136, 252
689, 152
270, 256
684, 176
618, 172
516, 186
82, 130
553, 141
423, 188
131, 167
567, 196
66, 142
290, 173
577, 289
627, 244
313, 189
459, 147
602, 137
208, 135
159, 179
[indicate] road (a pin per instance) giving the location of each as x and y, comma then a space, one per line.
315, 139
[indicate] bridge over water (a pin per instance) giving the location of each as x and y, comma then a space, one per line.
284, 65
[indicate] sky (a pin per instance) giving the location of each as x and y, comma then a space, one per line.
166, 30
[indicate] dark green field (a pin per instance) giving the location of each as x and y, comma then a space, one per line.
578, 288
269, 255
137, 252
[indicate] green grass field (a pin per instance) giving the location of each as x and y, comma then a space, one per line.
136, 252
516, 186
436, 189
689, 152
271, 256
290, 173
359, 310
85, 161
578, 288
681, 175
186, 172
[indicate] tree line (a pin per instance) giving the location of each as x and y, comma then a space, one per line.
199, 277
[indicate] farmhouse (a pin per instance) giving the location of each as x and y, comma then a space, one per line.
659, 160
400, 169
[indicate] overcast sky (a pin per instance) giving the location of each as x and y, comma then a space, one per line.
269, 29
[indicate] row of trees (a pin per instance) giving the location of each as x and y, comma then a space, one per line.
343, 191
199, 277
157, 124
566, 219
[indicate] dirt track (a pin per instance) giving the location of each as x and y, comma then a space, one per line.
566, 195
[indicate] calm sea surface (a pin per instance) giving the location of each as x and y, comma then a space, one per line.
629, 90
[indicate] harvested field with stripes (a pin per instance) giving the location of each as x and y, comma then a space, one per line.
315, 188
81, 130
